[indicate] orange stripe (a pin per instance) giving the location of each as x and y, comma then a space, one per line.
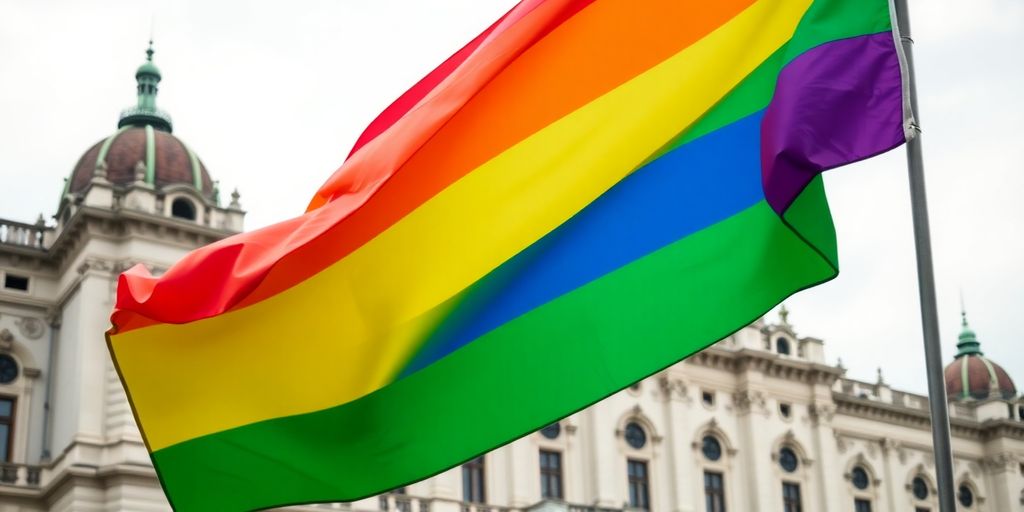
606, 44
593, 52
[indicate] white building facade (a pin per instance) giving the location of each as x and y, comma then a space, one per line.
757, 422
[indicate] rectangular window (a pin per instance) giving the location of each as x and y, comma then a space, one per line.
13, 282
6, 428
550, 475
861, 505
714, 492
639, 487
922, 509
473, 481
791, 497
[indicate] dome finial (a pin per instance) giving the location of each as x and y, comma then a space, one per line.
149, 51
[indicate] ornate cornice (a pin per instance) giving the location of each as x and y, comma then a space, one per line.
919, 419
768, 363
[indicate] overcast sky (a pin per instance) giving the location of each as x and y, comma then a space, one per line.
272, 94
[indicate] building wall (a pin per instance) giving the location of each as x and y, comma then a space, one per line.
86, 453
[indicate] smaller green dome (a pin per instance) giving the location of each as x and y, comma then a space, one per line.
968, 343
148, 68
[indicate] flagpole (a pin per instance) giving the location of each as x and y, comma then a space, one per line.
926, 284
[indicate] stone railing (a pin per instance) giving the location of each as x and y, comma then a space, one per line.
561, 506
483, 507
396, 502
19, 233
20, 475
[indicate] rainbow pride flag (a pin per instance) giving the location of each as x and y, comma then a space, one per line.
586, 193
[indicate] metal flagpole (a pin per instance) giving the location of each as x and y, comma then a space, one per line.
926, 284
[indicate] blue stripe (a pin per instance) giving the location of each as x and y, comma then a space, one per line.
686, 190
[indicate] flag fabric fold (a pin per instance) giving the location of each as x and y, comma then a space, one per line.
586, 193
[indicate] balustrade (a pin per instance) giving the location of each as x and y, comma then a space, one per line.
19, 233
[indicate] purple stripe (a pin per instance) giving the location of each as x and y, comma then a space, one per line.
836, 104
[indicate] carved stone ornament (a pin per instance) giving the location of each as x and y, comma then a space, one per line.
841, 444
31, 328
672, 388
6, 339
140, 171
747, 401
95, 264
821, 413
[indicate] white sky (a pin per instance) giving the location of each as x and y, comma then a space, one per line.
272, 94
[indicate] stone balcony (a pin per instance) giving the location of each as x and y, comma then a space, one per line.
34, 236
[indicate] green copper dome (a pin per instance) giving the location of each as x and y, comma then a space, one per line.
148, 68
971, 375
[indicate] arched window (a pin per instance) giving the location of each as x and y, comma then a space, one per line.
965, 496
8, 369
635, 435
788, 459
859, 478
183, 209
919, 488
711, 448
782, 346
551, 431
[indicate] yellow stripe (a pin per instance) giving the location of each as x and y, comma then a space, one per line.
344, 332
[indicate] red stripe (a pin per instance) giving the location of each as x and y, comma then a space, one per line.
231, 270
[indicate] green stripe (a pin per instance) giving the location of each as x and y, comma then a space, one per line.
100, 157
993, 380
628, 324
197, 176
150, 155
105, 148
964, 380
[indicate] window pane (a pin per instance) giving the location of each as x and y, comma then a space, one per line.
550, 474
4, 436
638, 486
860, 505
473, 481
714, 492
6, 408
791, 497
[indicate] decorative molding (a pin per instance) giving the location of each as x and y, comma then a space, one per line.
100, 264
747, 401
821, 413
842, 444
1001, 462
31, 327
673, 388
6, 340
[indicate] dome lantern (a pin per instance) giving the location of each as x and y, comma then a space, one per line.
145, 112
967, 343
